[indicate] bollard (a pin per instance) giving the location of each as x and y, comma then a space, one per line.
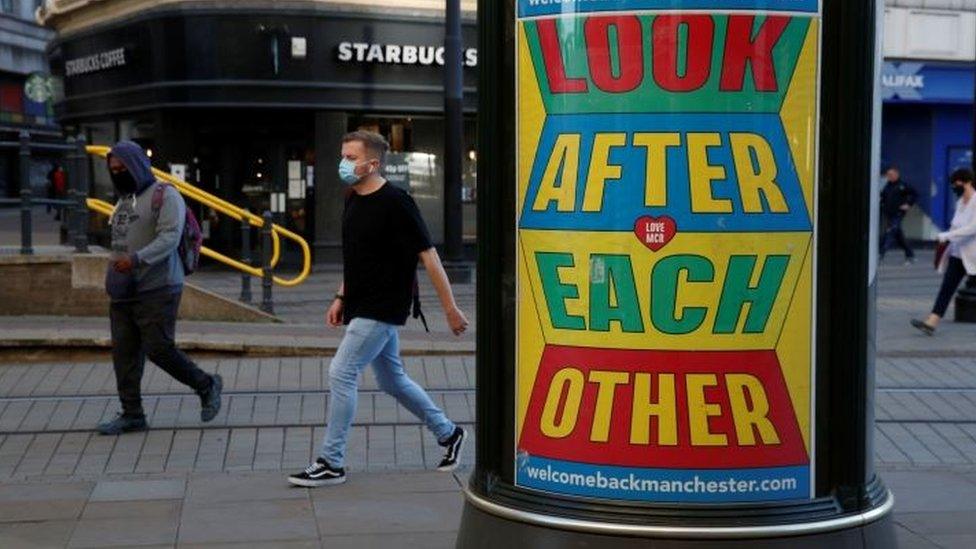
267, 304
26, 196
672, 351
245, 259
81, 189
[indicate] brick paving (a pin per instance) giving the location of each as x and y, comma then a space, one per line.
273, 413
925, 410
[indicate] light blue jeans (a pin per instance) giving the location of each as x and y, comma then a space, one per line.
370, 341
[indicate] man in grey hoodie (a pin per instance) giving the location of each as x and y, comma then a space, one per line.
145, 283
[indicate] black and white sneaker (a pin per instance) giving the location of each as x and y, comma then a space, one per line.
318, 474
452, 450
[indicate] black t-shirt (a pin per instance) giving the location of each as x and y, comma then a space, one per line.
382, 235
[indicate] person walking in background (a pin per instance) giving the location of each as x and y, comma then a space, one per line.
959, 258
383, 236
57, 188
145, 284
897, 197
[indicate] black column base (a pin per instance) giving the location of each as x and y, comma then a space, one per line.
481, 530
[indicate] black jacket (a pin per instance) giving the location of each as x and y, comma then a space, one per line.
894, 195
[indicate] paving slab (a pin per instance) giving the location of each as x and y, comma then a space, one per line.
249, 521
416, 482
206, 490
433, 540
388, 513
959, 541
163, 508
910, 540
125, 532
930, 490
40, 510
36, 535
135, 490
942, 522
295, 544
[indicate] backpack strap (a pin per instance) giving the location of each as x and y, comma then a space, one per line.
417, 311
157, 198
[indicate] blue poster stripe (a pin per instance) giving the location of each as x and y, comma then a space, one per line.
623, 199
535, 8
664, 485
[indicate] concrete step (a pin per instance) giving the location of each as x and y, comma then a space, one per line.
57, 282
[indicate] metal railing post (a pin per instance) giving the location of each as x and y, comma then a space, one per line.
246, 259
267, 304
81, 189
69, 214
26, 196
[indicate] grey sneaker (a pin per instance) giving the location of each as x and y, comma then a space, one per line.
123, 423
210, 399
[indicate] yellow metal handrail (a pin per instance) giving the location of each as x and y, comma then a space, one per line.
229, 209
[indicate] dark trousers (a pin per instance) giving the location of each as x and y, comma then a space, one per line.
894, 236
144, 328
955, 272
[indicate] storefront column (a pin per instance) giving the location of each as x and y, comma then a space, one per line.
329, 129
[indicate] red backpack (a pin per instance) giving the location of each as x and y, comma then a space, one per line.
192, 238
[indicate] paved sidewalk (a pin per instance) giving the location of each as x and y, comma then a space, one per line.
925, 448
191, 485
390, 510
906, 292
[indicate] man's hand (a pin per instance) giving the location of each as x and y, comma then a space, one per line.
124, 264
457, 321
905, 207
334, 316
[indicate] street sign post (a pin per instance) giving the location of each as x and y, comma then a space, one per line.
675, 309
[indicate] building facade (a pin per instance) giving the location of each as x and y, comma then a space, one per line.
24, 88
927, 89
249, 99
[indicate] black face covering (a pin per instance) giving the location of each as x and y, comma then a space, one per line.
959, 189
124, 182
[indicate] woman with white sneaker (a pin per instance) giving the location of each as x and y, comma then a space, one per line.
959, 258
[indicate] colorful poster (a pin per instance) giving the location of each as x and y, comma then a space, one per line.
667, 155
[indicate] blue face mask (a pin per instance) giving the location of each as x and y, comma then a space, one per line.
347, 172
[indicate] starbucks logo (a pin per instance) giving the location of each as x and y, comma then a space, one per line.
38, 87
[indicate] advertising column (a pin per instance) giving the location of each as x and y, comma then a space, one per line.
666, 249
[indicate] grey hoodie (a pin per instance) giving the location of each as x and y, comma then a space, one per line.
151, 237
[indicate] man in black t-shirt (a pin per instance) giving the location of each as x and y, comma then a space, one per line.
383, 237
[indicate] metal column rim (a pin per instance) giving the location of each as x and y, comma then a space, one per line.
684, 532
